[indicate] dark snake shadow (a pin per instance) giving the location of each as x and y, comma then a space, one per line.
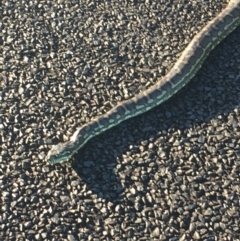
210, 93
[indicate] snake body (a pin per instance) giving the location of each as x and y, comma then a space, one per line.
182, 72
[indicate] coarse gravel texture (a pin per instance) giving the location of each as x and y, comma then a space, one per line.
169, 174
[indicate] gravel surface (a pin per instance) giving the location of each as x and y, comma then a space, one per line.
169, 174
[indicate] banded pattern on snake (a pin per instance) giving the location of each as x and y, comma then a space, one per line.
182, 72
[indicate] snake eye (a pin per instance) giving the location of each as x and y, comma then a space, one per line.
66, 154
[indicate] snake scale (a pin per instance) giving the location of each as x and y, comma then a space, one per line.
182, 72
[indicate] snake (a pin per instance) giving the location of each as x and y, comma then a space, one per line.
184, 69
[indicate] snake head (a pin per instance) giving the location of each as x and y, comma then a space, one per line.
59, 153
